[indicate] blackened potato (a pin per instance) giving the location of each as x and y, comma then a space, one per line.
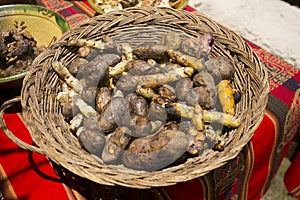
155, 151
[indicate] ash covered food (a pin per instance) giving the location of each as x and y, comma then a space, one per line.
110, 5
18, 48
148, 106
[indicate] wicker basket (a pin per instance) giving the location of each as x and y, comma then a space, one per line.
50, 132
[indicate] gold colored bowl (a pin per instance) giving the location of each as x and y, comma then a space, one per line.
44, 25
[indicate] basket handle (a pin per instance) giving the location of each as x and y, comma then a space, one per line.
8, 133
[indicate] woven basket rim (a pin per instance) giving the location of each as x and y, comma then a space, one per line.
228, 42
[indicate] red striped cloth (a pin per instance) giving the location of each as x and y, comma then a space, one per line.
23, 174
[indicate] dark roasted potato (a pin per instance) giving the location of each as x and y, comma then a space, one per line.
92, 123
201, 96
126, 83
198, 47
155, 151
192, 98
157, 112
128, 3
205, 85
115, 145
204, 79
67, 110
92, 141
140, 126
115, 113
156, 52
76, 65
96, 71
103, 97
137, 104
220, 67
140, 67
89, 95
183, 87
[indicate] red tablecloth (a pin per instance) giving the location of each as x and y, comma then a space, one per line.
27, 175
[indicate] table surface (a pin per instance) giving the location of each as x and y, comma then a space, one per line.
281, 120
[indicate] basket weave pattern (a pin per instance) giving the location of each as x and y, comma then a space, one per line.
50, 132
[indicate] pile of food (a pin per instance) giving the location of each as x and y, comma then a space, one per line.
149, 106
111, 5
17, 50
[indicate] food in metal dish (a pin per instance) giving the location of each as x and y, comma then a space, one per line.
153, 104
